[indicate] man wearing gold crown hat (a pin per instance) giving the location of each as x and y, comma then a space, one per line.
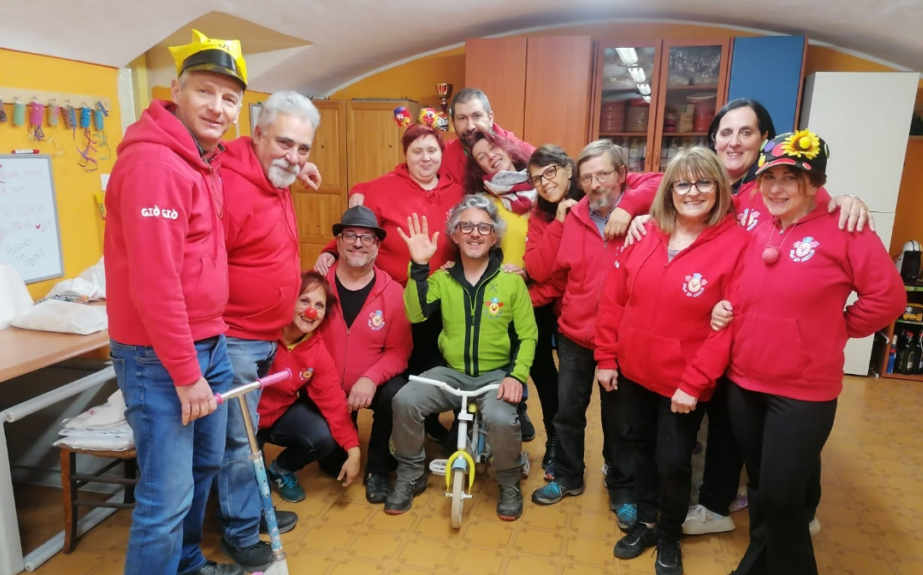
167, 265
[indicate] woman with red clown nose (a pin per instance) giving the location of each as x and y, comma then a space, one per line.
786, 361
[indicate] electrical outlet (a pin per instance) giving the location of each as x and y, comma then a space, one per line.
104, 179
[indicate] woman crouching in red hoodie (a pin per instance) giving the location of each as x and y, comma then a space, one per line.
786, 364
651, 334
308, 414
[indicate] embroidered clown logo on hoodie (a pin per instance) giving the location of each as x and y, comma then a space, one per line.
694, 285
749, 218
376, 320
804, 249
306, 374
494, 308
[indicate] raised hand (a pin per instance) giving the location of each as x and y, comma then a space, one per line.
422, 247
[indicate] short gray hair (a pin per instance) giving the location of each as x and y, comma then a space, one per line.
465, 96
482, 203
288, 102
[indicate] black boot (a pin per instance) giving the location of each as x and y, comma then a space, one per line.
401, 499
551, 450
377, 487
525, 424
257, 557
285, 522
212, 568
509, 505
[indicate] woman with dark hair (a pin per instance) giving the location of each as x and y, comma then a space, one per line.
736, 135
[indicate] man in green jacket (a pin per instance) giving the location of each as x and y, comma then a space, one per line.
488, 336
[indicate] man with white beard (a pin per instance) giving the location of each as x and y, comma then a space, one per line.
264, 273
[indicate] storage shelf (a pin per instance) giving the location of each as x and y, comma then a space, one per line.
918, 377
684, 134
622, 134
907, 321
711, 88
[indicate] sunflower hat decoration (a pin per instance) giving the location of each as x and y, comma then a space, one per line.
802, 149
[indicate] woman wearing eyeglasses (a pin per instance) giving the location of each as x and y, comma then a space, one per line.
553, 174
653, 319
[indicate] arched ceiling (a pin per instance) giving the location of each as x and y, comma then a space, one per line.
316, 46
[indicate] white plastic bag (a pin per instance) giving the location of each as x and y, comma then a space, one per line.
96, 275
90, 285
14, 297
63, 317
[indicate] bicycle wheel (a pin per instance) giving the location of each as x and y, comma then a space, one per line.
458, 502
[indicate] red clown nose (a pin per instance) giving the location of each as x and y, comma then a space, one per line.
310, 313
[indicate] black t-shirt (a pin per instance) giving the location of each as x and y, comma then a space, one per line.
351, 302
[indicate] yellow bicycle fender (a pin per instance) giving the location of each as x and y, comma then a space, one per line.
448, 469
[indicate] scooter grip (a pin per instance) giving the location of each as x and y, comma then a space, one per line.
275, 378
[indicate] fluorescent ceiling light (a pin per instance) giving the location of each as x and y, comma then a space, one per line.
637, 74
645, 89
628, 55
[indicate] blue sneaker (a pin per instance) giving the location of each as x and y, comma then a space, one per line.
286, 484
628, 515
554, 492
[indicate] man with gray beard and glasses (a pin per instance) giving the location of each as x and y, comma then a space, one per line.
264, 273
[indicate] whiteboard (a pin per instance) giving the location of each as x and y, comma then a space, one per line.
29, 237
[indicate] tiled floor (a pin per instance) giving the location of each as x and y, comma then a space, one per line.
872, 514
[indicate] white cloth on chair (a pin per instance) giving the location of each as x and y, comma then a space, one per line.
99, 428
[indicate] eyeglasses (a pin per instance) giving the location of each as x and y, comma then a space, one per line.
601, 177
548, 173
705, 185
367, 240
468, 227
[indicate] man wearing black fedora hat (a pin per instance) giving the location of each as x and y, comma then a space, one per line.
368, 335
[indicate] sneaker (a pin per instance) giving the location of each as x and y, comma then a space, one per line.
285, 522
627, 514
525, 424
509, 507
669, 558
740, 502
700, 521
633, 544
554, 492
286, 483
257, 557
401, 498
377, 488
814, 527
551, 450
212, 568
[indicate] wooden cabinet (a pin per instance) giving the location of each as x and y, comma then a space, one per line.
317, 210
558, 79
497, 66
373, 139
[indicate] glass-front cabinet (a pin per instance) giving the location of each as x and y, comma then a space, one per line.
654, 98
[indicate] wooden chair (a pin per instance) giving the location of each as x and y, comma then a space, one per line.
71, 481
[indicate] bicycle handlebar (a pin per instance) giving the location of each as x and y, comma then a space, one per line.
446, 387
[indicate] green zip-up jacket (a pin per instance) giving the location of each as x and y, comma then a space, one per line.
485, 327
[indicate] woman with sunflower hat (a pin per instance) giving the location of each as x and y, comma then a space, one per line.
786, 359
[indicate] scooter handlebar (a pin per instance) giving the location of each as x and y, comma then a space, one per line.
273, 379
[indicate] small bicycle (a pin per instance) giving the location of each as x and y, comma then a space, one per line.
473, 452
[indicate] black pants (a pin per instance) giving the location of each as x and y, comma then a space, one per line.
544, 373
425, 354
781, 440
575, 388
310, 440
663, 443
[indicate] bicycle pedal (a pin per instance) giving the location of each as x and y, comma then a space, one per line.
437, 466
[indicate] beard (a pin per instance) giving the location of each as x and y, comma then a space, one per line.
600, 202
282, 174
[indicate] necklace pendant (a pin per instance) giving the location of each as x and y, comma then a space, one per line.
771, 255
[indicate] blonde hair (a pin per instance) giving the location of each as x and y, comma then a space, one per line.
617, 155
698, 162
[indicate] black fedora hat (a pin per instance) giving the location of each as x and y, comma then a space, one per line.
359, 217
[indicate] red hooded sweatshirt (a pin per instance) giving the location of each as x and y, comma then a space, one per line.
783, 308
455, 157
654, 314
751, 210
378, 344
583, 261
314, 371
544, 238
262, 242
394, 197
166, 265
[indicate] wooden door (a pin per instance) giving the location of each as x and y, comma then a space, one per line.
497, 66
557, 97
373, 139
318, 210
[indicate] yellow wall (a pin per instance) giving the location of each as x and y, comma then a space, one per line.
78, 218
163, 93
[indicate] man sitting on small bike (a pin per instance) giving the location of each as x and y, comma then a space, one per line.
488, 336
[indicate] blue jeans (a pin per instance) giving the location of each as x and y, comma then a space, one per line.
238, 494
178, 463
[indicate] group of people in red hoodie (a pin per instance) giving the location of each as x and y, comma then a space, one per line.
212, 296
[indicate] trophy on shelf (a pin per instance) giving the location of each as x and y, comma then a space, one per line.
444, 91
